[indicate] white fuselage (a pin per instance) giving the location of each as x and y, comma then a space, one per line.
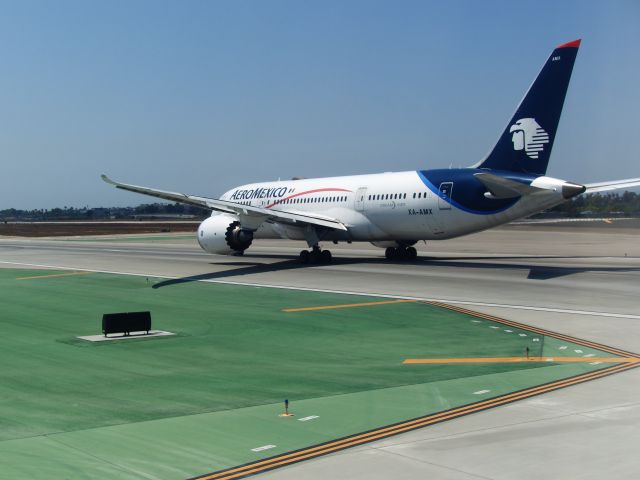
394, 206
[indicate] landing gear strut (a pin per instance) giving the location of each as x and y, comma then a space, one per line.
316, 255
401, 253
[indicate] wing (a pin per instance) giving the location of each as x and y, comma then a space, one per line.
252, 216
615, 185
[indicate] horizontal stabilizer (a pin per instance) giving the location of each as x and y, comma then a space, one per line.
503, 188
614, 185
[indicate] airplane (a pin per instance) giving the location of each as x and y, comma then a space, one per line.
395, 210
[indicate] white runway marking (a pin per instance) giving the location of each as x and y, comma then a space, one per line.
345, 292
481, 392
264, 447
306, 419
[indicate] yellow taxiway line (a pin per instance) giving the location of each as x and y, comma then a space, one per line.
413, 361
347, 305
54, 275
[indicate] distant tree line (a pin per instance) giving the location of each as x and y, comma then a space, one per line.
147, 210
613, 204
626, 204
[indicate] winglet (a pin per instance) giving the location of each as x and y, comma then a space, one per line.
107, 179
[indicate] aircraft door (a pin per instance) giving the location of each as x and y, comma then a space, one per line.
361, 193
446, 189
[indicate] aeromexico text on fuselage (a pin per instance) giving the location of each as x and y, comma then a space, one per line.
260, 192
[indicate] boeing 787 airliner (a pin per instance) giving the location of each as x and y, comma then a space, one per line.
396, 210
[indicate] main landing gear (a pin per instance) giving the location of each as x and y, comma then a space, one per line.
316, 255
401, 253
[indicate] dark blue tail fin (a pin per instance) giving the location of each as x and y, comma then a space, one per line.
525, 145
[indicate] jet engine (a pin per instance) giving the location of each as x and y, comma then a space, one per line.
223, 234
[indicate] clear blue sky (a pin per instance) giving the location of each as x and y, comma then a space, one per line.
199, 96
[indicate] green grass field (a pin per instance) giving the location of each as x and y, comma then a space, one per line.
201, 400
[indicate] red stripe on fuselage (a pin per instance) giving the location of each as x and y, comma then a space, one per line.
308, 192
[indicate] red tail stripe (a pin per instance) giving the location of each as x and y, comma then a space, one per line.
574, 44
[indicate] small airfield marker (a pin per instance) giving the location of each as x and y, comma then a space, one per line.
286, 410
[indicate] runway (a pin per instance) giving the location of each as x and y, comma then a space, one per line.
580, 282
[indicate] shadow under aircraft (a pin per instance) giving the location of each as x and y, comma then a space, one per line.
535, 272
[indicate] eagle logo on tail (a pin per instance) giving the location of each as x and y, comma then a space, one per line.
529, 136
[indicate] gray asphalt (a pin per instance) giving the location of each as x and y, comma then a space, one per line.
583, 282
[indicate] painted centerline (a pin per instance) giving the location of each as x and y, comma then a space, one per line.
435, 361
53, 275
346, 305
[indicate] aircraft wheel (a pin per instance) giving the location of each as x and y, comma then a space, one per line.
315, 256
390, 253
305, 256
411, 253
325, 256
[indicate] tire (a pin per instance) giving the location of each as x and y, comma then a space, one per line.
305, 256
411, 253
325, 256
315, 256
390, 253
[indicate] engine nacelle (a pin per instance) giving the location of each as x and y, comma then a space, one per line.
222, 234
